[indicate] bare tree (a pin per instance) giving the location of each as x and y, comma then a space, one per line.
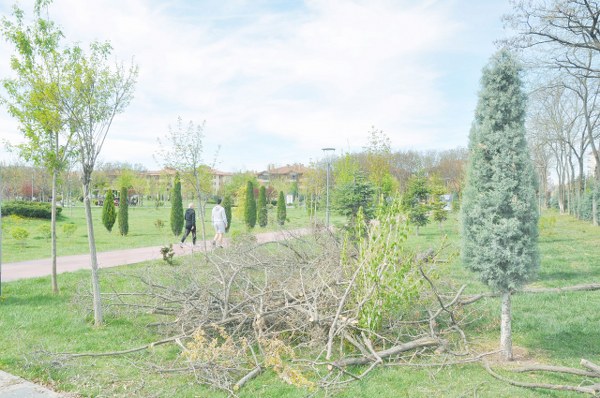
183, 151
565, 36
562, 27
95, 94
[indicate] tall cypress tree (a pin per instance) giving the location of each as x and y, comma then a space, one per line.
123, 212
109, 213
227, 203
176, 207
499, 212
281, 210
262, 207
250, 209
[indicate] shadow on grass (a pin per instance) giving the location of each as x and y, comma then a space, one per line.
556, 239
568, 277
39, 300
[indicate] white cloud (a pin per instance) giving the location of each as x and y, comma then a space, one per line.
315, 75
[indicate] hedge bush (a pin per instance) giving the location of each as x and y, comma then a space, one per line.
29, 209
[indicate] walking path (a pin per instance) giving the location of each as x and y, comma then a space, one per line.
16, 387
43, 267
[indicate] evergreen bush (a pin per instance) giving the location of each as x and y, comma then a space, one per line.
109, 213
176, 208
227, 203
250, 208
29, 209
281, 209
262, 207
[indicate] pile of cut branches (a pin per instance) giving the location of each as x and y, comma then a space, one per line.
306, 307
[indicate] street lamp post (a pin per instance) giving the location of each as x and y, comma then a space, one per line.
328, 152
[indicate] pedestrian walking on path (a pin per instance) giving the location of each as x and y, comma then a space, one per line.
190, 224
219, 220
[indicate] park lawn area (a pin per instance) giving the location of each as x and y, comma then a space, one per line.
142, 231
557, 329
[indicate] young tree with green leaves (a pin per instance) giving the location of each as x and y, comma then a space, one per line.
499, 210
281, 209
109, 213
437, 204
176, 207
227, 203
34, 99
250, 207
262, 207
123, 212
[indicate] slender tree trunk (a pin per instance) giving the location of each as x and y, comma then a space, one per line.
595, 191
53, 233
202, 210
505, 328
98, 320
594, 209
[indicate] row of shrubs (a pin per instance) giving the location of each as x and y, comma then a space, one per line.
29, 209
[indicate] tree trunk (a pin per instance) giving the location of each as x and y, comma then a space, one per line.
93, 257
202, 210
594, 209
53, 233
505, 328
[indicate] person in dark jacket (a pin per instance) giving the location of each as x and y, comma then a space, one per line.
190, 224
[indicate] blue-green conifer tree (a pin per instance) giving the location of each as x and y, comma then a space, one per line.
499, 212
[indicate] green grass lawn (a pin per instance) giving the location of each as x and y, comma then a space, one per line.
142, 231
557, 329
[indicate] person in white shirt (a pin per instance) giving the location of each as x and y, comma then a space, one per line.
219, 220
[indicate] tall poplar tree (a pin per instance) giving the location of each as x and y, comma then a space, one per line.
499, 211
281, 210
262, 207
250, 208
176, 207
123, 212
227, 203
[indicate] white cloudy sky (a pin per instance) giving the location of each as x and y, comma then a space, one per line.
278, 80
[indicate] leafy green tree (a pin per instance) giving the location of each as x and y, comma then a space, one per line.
34, 98
123, 212
109, 213
414, 201
353, 195
227, 203
262, 207
281, 209
176, 207
499, 211
437, 190
250, 208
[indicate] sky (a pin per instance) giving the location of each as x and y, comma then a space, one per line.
276, 81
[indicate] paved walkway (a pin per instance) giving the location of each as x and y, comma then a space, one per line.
43, 267
16, 387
